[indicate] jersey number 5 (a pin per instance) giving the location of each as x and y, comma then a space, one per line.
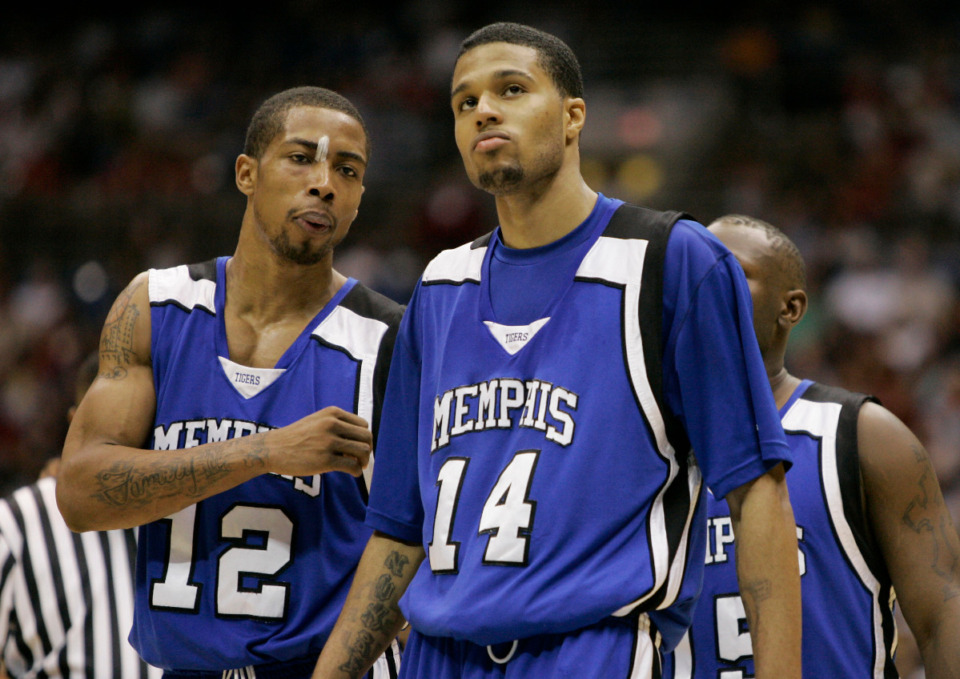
507, 515
259, 549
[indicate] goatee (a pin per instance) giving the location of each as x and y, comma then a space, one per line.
303, 255
501, 180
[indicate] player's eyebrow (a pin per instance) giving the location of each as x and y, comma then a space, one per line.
314, 147
498, 75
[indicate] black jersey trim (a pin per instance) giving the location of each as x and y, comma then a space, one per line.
634, 222
853, 497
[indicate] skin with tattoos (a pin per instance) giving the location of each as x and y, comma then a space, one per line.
107, 480
386, 566
229, 394
905, 511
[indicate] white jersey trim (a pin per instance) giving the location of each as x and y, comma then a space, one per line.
821, 420
360, 337
176, 285
458, 265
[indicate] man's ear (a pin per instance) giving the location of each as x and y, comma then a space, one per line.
245, 172
794, 307
576, 116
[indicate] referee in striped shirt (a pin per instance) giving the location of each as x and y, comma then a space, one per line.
66, 599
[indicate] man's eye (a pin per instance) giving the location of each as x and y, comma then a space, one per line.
468, 103
513, 89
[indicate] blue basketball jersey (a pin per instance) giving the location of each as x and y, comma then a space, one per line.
547, 468
847, 597
258, 573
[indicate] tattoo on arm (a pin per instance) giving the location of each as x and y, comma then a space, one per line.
380, 618
395, 563
116, 340
919, 517
135, 484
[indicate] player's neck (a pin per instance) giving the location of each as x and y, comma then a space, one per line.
266, 288
540, 215
782, 384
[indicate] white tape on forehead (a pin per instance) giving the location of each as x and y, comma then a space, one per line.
323, 147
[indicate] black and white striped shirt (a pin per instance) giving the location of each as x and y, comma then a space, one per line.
66, 599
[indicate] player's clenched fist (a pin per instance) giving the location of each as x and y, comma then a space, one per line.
328, 440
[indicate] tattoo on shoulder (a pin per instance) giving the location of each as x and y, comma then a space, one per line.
924, 499
116, 340
925, 515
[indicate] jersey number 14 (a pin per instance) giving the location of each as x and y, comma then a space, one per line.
507, 515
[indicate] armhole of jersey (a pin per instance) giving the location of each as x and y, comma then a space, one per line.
849, 475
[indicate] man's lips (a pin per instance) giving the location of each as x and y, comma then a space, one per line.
314, 220
489, 141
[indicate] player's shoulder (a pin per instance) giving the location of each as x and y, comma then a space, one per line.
188, 286
457, 265
819, 392
369, 303
878, 427
629, 221
688, 237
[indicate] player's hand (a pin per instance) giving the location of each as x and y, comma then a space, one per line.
328, 440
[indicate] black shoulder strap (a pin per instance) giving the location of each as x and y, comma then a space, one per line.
653, 226
203, 270
848, 467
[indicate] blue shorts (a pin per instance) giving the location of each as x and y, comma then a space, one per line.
299, 668
614, 648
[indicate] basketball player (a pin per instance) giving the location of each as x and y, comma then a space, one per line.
66, 600
230, 417
870, 515
540, 499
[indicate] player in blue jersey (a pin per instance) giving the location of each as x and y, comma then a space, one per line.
540, 510
231, 417
870, 516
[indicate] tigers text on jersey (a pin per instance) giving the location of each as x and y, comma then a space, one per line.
541, 465
258, 573
65, 597
847, 596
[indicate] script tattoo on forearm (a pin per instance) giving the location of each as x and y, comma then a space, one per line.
116, 340
135, 484
380, 619
925, 514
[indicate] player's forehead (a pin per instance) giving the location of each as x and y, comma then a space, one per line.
496, 60
313, 122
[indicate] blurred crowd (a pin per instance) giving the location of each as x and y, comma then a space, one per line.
839, 123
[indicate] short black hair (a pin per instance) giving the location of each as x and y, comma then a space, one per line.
554, 55
787, 253
270, 118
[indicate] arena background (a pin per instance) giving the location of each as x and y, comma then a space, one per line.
838, 122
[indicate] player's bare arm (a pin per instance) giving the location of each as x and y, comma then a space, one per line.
916, 535
768, 572
371, 616
108, 480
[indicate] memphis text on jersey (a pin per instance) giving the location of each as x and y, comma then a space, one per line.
494, 403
